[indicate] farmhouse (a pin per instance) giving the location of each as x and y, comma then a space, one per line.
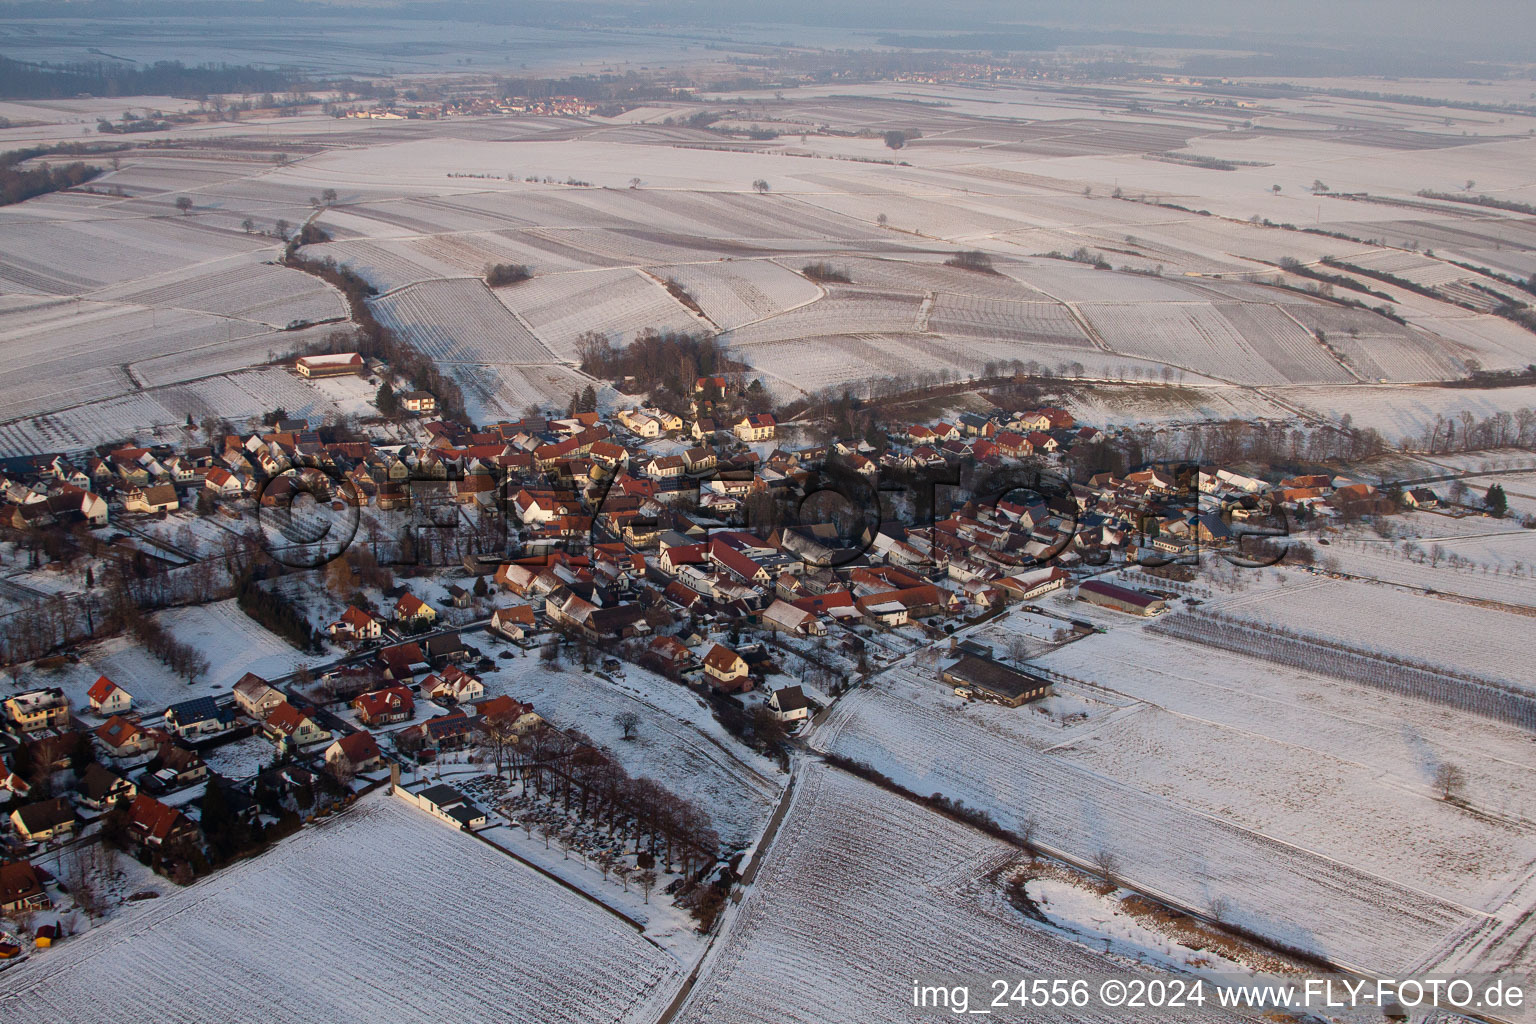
107, 698
991, 681
334, 365
1121, 599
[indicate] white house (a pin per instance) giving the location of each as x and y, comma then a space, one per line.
107, 698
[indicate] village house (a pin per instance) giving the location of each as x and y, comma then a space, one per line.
514, 623
411, 610
107, 698
151, 500
101, 789
419, 402
671, 651
385, 707
353, 754
37, 710
789, 704
123, 738
221, 483
256, 697
200, 716
45, 821
173, 767
755, 427
356, 624
154, 824
726, 670
781, 616
453, 684
21, 888
290, 728
11, 784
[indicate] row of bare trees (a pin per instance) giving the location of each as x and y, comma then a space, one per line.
586, 781
1463, 431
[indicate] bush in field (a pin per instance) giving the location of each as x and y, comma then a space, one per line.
499, 275
826, 273
971, 259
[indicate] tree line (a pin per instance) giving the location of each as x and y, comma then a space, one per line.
18, 183
373, 339
43, 80
665, 362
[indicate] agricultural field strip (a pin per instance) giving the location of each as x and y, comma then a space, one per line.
1463, 638
460, 320
340, 892
916, 896
1011, 778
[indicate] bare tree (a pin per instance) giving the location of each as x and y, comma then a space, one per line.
184, 204
1107, 865
627, 721
760, 186
647, 881
1449, 779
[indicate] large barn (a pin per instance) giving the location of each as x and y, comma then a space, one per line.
1121, 599
990, 680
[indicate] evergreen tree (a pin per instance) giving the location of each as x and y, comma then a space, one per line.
1495, 501
388, 404
589, 399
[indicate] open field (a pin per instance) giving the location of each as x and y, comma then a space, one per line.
917, 896
160, 413
424, 206
1485, 643
1312, 884
443, 933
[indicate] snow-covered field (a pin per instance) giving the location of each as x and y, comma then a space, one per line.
678, 742
159, 414
860, 893
381, 913
1287, 868
1483, 642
